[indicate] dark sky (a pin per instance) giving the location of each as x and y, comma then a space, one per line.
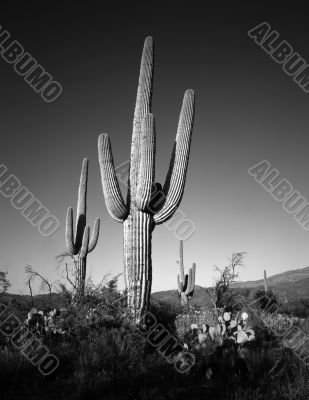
247, 110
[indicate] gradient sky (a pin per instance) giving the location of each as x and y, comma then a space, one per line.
247, 110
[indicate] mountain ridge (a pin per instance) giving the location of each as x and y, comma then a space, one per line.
289, 285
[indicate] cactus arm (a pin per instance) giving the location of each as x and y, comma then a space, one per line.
147, 163
174, 185
142, 107
112, 194
84, 249
95, 235
185, 283
189, 286
69, 233
193, 274
193, 269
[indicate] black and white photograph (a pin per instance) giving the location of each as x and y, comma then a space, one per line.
154, 200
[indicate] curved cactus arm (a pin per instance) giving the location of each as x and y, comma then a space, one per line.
95, 235
190, 283
85, 244
142, 107
185, 283
112, 194
174, 185
147, 163
69, 233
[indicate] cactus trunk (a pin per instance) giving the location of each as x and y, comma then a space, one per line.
138, 229
80, 279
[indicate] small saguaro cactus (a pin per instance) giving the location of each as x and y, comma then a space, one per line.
265, 281
138, 213
186, 282
80, 245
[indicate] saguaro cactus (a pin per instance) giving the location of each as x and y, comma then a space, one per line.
265, 281
139, 214
186, 282
80, 245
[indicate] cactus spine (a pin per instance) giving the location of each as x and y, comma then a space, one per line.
80, 245
186, 282
139, 217
265, 281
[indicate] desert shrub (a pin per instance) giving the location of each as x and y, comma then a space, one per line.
111, 356
165, 313
298, 308
102, 355
265, 299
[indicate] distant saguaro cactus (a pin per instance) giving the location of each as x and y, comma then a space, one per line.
186, 282
140, 213
80, 245
265, 281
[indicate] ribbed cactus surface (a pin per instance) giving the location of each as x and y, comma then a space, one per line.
186, 282
146, 204
80, 243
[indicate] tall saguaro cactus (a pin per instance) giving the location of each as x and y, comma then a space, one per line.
137, 213
265, 281
186, 282
80, 245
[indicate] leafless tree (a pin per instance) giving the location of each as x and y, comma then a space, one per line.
68, 268
45, 284
68, 264
28, 283
222, 293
